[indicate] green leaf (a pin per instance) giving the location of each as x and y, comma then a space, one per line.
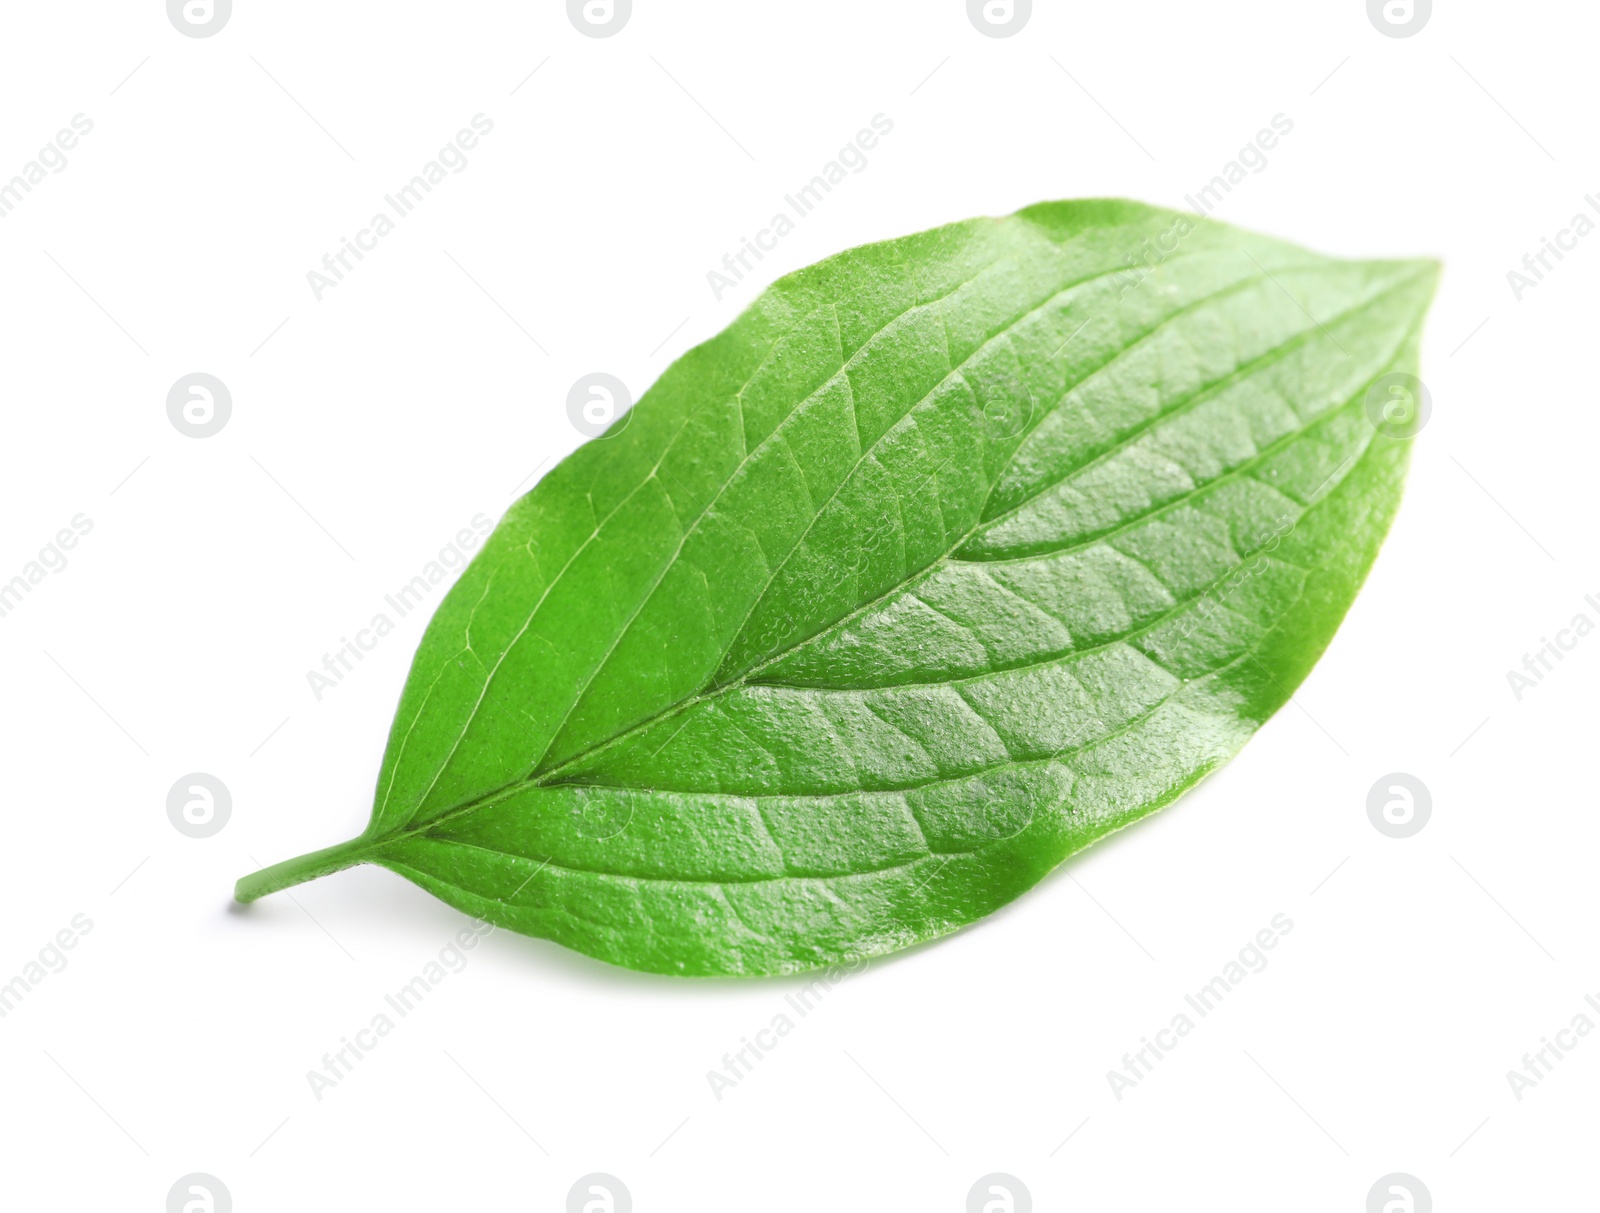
950, 556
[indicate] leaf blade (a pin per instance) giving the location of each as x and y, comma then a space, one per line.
827, 652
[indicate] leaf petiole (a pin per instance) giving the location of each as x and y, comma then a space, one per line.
301, 869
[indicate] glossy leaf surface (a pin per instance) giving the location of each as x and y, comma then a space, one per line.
951, 555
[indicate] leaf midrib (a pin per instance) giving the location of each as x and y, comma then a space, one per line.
551, 777
747, 455
863, 453
426, 829
1179, 408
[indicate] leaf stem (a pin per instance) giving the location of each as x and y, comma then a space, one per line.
301, 869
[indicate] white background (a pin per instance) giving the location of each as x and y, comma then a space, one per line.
369, 427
